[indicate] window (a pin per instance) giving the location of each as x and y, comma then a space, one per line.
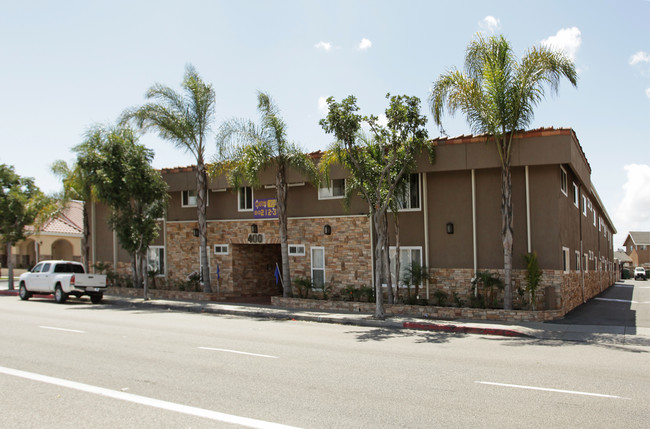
577, 261
576, 195
594, 217
586, 262
296, 250
584, 205
318, 267
564, 185
410, 261
335, 190
566, 262
410, 198
245, 199
189, 198
37, 269
156, 260
220, 249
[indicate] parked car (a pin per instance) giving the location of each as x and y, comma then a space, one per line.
62, 278
639, 273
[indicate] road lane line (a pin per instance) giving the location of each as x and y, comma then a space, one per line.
62, 329
572, 392
143, 400
238, 352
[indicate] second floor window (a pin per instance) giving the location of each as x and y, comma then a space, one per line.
245, 199
410, 196
189, 198
336, 189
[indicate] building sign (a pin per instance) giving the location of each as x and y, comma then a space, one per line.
265, 209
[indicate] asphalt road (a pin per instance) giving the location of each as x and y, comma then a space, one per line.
102, 366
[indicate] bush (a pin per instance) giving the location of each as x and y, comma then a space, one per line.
441, 296
303, 286
533, 277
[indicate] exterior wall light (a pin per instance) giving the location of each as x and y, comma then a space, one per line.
196, 232
327, 230
253, 229
450, 228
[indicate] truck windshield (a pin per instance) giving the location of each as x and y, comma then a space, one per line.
69, 268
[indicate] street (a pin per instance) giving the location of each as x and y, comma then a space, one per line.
108, 366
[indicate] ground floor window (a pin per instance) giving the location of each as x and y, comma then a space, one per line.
586, 262
410, 261
156, 260
566, 262
318, 267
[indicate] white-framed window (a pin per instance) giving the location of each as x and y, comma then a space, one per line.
156, 259
245, 199
189, 198
220, 249
577, 260
410, 259
576, 195
566, 260
586, 262
584, 205
410, 198
318, 267
336, 189
594, 216
296, 250
564, 181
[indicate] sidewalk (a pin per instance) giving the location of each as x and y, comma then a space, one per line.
619, 335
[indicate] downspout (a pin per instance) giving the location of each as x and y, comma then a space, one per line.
425, 203
530, 248
92, 235
474, 246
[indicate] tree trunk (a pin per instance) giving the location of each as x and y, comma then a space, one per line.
10, 268
507, 234
85, 239
145, 274
134, 269
389, 280
379, 223
281, 193
201, 204
397, 257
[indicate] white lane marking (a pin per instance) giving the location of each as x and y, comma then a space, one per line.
143, 400
572, 392
616, 300
63, 329
238, 352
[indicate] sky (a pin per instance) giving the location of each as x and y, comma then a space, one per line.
69, 65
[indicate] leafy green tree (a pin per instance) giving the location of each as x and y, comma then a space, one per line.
498, 95
136, 193
376, 163
22, 204
185, 120
247, 149
77, 185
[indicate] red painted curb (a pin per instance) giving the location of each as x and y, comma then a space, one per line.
8, 293
463, 329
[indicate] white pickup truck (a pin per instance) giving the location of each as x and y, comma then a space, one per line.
62, 278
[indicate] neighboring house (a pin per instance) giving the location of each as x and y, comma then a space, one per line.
637, 247
59, 238
450, 222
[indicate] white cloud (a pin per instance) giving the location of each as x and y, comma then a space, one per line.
322, 105
382, 120
647, 92
326, 46
365, 44
633, 212
567, 40
490, 24
640, 57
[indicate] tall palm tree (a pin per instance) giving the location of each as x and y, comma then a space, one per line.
247, 149
184, 119
498, 95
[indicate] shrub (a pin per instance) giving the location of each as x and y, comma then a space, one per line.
533, 277
441, 297
303, 286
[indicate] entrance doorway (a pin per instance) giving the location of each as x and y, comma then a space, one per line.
253, 271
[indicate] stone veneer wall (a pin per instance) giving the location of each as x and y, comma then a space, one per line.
248, 269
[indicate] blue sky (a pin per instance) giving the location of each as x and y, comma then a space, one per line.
68, 65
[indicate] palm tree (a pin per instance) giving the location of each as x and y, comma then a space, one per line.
498, 94
246, 150
184, 119
77, 186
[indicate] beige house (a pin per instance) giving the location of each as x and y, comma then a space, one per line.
59, 238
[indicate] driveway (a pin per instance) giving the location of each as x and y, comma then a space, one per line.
626, 303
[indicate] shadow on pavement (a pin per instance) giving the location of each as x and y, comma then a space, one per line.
383, 334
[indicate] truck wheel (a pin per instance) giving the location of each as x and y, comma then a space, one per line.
96, 298
23, 292
59, 295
